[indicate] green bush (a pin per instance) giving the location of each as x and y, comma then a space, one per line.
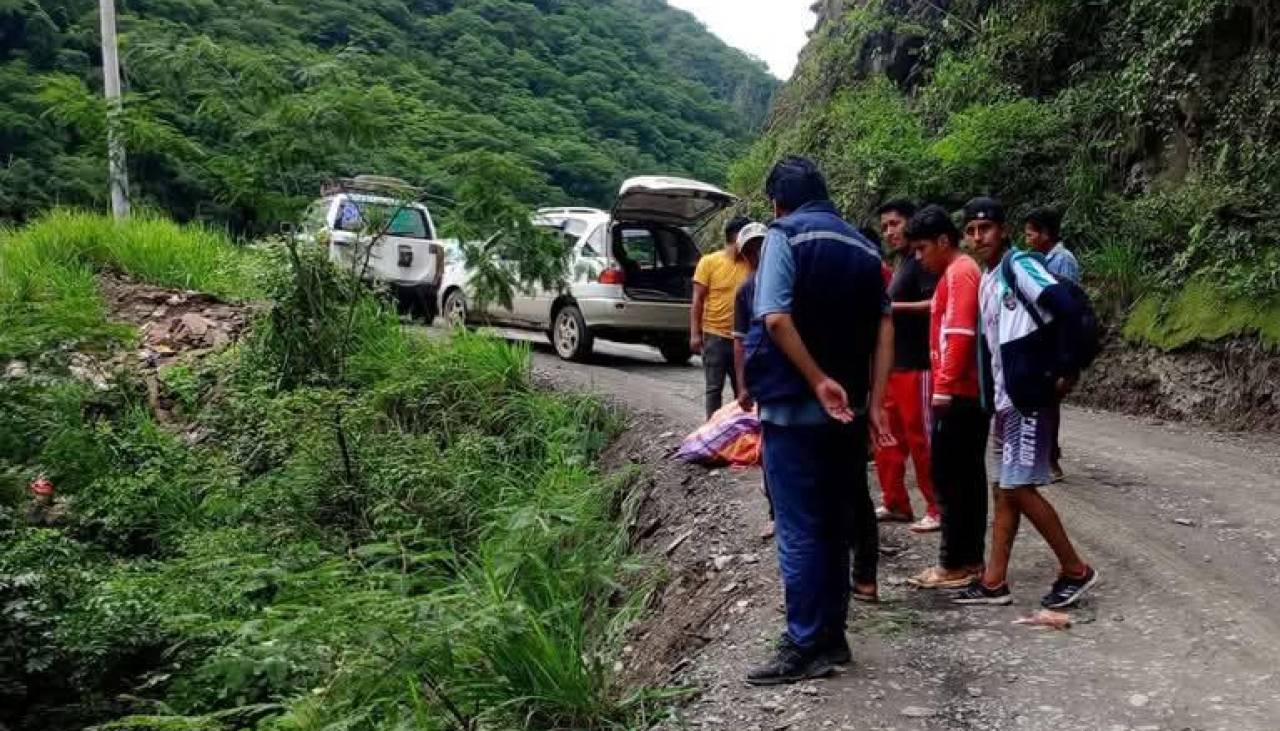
356, 527
1146, 122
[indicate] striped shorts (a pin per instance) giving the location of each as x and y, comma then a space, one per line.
1023, 446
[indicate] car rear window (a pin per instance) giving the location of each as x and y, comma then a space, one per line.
655, 248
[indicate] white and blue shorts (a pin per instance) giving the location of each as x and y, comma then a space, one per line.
1023, 446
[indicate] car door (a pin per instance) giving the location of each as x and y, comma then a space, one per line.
535, 305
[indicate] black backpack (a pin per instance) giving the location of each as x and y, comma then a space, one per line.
1032, 366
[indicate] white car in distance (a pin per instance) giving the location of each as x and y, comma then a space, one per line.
630, 272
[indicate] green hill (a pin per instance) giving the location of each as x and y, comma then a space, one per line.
1152, 124
237, 110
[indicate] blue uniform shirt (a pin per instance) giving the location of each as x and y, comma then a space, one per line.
775, 285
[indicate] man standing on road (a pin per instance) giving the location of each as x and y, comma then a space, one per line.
1043, 230
715, 282
750, 243
1023, 440
819, 354
907, 400
960, 422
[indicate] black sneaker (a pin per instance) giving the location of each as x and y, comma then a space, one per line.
1067, 591
977, 593
791, 665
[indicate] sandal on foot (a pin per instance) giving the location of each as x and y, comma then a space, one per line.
933, 578
927, 524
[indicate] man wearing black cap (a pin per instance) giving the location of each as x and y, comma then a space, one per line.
1020, 299
822, 320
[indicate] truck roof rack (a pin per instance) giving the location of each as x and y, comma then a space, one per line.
372, 184
571, 211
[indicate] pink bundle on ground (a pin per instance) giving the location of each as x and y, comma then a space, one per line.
730, 437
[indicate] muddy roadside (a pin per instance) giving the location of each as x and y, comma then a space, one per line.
1180, 635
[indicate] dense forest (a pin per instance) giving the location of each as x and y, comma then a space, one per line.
1152, 124
237, 110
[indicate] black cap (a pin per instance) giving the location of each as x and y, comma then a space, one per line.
983, 209
795, 181
931, 222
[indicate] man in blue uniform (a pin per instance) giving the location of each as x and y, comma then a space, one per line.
819, 354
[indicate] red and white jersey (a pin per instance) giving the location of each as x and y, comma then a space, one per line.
953, 330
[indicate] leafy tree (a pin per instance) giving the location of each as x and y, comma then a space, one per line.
237, 111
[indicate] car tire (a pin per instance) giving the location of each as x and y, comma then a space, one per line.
455, 310
570, 336
675, 352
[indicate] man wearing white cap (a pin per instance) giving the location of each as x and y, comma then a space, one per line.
750, 241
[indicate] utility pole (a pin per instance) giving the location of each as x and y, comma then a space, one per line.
116, 170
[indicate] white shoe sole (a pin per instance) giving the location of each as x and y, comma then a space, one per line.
1089, 585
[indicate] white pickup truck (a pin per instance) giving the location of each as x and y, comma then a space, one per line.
406, 254
632, 272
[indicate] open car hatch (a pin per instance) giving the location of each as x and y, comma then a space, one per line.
671, 201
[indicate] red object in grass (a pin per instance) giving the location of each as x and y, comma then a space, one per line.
41, 486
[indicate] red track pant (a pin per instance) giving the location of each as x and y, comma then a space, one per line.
907, 404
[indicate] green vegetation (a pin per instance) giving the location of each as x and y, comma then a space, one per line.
237, 111
1148, 122
353, 527
47, 290
1197, 312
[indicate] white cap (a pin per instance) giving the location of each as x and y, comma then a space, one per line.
749, 232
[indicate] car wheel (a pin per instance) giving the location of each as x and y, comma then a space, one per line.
455, 310
675, 352
570, 335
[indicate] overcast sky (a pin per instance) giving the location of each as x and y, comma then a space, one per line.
774, 30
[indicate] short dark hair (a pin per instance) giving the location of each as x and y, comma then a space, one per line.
900, 206
1046, 221
870, 234
931, 222
735, 225
795, 181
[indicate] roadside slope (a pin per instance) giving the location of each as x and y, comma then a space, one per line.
1181, 634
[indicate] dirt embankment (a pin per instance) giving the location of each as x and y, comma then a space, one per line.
1231, 384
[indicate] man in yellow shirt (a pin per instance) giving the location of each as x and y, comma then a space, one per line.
715, 283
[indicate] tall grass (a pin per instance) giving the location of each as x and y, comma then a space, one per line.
47, 290
401, 534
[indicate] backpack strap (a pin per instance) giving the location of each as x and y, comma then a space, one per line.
1011, 281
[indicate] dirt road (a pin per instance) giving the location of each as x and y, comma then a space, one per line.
1183, 633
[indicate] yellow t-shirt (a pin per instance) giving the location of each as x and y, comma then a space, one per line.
721, 273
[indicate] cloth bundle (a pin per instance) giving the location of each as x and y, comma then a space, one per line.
730, 437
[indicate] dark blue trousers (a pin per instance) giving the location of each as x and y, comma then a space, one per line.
818, 484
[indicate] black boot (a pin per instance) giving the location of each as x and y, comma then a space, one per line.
792, 664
